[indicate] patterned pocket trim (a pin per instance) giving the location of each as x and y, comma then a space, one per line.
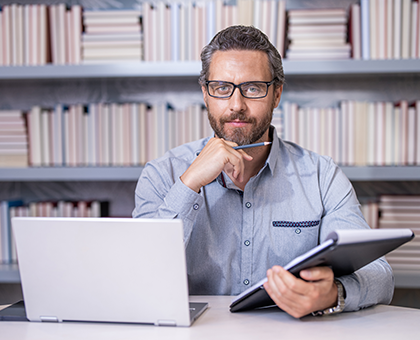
289, 224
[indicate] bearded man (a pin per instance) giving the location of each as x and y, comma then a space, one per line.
248, 212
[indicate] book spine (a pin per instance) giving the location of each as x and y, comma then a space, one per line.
365, 16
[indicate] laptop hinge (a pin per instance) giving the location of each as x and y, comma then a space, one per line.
48, 318
166, 323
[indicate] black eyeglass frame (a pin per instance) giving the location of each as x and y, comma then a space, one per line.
268, 83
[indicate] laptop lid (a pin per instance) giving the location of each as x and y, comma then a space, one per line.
103, 269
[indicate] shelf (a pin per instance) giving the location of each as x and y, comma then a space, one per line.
9, 273
352, 67
382, 173
67, 174
117, 70
192, 69
70, 174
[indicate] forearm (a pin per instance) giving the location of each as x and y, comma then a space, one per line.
370, 285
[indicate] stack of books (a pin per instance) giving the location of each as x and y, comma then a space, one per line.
13, 139
402, 212
177, 31
65, 33
111, 134
390, 29
111, 35
10, 209
357, 133
317, 34
61, 209
24, 35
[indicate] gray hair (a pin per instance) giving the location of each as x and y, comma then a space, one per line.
242, 38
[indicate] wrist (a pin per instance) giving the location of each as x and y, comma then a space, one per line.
190, 184
339, 305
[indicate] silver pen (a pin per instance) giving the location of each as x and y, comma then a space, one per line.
247, 146
251, 145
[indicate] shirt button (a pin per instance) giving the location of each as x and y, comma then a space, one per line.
248, 204
246, 282
298, 231
247, 243
196, 206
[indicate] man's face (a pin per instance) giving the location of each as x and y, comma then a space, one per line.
238, 119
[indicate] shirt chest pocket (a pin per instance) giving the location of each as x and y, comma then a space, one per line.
293, 238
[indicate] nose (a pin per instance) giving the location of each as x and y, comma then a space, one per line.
237, 103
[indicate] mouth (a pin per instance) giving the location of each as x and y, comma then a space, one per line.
237, 123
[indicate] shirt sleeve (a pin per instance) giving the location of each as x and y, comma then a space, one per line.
374, 283
161, 194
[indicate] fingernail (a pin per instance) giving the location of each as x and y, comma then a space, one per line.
306, 273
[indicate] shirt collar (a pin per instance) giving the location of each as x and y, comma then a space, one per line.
274, 155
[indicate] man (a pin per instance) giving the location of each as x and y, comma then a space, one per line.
246, 211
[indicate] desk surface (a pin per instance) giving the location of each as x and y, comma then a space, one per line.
379, 322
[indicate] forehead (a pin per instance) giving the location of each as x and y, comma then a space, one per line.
239, 66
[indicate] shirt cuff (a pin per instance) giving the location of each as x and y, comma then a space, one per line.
184, 201
352, 287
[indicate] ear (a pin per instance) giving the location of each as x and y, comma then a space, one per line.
277, 95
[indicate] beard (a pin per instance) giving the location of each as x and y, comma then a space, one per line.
241, 136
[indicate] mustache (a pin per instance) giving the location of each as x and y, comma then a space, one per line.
237, 116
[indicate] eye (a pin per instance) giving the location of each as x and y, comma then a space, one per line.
222, 89
253, 88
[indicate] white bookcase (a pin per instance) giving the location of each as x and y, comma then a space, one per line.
296, 72
307, 82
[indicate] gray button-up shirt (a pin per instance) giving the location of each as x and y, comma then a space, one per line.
232, 236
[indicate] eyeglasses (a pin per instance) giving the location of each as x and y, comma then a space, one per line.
249, 89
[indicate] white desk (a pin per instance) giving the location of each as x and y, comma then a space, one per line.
379, 322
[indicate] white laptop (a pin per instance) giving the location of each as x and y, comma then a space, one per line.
104, 270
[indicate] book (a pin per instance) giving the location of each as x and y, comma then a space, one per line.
112, 52
405, 29
373, 29
345, 251
354, 31
108, 29
389, 29
365, 29
414, 29
110, 13
397, 28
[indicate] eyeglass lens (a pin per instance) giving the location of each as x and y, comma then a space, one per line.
225, 89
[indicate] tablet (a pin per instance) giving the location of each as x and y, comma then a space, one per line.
345, 251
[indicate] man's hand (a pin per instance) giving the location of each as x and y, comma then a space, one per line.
217, 155
298, 297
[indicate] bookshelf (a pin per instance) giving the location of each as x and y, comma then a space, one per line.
330, 79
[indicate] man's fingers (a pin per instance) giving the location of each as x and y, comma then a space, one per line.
290, 302
298, 297
317, 274
289, 281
